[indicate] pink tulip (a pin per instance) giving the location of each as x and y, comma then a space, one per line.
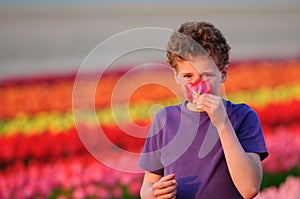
103, 193
134, 188
290, 189
78, 193
117, 192
90, 190
284, 148
61, 197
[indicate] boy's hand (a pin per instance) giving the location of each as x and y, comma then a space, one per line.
214, 106
165, 188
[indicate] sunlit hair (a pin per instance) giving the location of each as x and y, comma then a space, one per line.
203, 33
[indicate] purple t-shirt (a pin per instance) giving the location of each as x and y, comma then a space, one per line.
186, 143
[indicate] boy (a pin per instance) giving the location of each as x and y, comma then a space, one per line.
206, 147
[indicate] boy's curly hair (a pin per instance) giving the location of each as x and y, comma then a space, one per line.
207, 35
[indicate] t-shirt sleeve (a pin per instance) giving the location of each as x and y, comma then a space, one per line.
250, 134
150, 159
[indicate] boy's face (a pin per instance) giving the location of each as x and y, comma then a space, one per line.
203, 69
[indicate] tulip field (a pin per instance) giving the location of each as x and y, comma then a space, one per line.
42, 155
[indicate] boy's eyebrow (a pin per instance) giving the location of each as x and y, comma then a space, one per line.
187, 73
204, 72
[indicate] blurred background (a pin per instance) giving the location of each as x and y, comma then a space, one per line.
55, 36
44, 43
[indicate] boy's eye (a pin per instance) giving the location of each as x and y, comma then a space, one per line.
187, 76
206, 75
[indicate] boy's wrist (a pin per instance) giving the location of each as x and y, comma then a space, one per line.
224, 126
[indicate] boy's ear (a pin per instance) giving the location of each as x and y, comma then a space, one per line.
224, 73
176, 76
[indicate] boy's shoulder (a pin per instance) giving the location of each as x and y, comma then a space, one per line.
238, 108
232, 105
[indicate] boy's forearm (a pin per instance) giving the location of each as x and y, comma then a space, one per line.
146, 191
244, 171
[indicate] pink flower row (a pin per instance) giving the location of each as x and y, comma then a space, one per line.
283, 144
290, 189
78, 177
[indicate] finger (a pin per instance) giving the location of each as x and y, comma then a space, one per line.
162, 185
204, 108
167, 178
167, 196
167, 192
203, 103
208, 100
207, 104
